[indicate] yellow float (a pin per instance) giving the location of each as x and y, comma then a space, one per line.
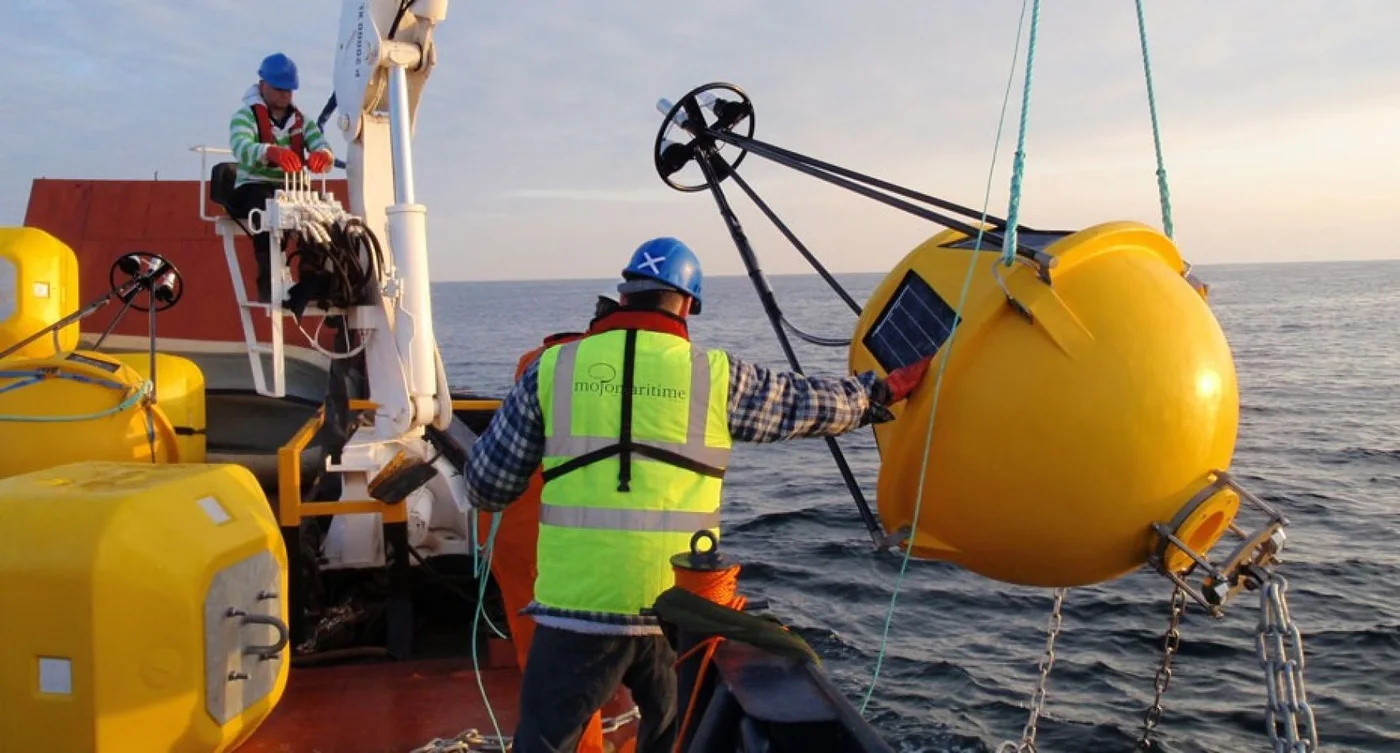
38, 286
59, 405
141, 608
94, 406
1062, 431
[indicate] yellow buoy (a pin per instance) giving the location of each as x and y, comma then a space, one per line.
1060, 437
180, 395
38, 286
89, 406
142, 608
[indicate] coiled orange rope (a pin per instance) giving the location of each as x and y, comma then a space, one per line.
721, 587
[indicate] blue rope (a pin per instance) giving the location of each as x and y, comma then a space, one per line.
136, 396
35, 375
23, 382
1162, 191
943, 365
481, 566
480, 610
1008, 240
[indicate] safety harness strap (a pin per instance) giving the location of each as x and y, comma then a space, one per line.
583, 451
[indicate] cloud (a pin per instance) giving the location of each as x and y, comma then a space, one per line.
534, 141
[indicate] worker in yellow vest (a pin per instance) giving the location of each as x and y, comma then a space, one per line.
633, 425
516, 545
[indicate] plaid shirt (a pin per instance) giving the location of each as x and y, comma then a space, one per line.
764, 406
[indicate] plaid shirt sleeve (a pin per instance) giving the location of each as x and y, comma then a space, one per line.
770, 406
503, 458
764, 406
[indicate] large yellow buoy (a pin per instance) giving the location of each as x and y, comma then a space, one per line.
92, 406
1060, 437
38, 286
142, 608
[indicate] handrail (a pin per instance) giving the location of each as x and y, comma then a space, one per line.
291, 508
463, 404
204, 176
204, 151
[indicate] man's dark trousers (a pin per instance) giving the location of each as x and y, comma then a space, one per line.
570, 675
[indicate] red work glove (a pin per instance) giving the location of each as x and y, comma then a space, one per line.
319, 161
904, 379
284, 158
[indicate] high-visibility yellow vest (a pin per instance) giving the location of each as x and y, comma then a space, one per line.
627, 482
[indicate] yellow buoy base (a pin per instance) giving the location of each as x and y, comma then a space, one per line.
133, 601
89, 406
1063, 433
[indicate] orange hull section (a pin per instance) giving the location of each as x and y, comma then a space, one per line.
101, 220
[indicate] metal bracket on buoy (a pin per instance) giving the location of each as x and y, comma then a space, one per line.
1289, 718
1198, 525
896, 537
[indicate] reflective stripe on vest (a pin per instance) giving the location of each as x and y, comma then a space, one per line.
605, 546
663, 521
264, 121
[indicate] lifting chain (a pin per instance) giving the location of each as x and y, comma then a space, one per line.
1027, 743
1171, 641
473, 741
1288, 708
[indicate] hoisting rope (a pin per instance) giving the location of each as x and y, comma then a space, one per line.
952, 339
1018, 167
481, 579
1163, 194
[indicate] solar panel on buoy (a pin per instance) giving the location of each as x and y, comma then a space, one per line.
913, 325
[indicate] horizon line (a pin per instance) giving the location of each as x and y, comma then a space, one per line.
1202, 265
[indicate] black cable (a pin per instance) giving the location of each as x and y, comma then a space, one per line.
808, 255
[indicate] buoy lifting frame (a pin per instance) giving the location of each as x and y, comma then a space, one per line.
1289, 719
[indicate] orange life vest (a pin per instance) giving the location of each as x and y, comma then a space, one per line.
264, 120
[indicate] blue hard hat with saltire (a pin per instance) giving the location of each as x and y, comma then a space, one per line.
664, 264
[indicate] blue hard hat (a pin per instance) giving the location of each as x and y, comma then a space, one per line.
279, 72
663, 264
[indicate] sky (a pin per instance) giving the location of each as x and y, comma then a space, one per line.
533, 149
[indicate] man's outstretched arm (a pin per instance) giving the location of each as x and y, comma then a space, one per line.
501, 461
771, 406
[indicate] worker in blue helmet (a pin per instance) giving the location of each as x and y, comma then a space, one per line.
633, 425
664, 264
270, 138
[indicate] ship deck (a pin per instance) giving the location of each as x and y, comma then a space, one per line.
386, 707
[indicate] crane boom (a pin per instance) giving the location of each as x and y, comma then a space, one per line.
384, 56
379, 82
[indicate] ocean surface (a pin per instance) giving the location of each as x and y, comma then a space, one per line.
1317, 349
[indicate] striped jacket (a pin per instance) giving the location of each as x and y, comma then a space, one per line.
251, 152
